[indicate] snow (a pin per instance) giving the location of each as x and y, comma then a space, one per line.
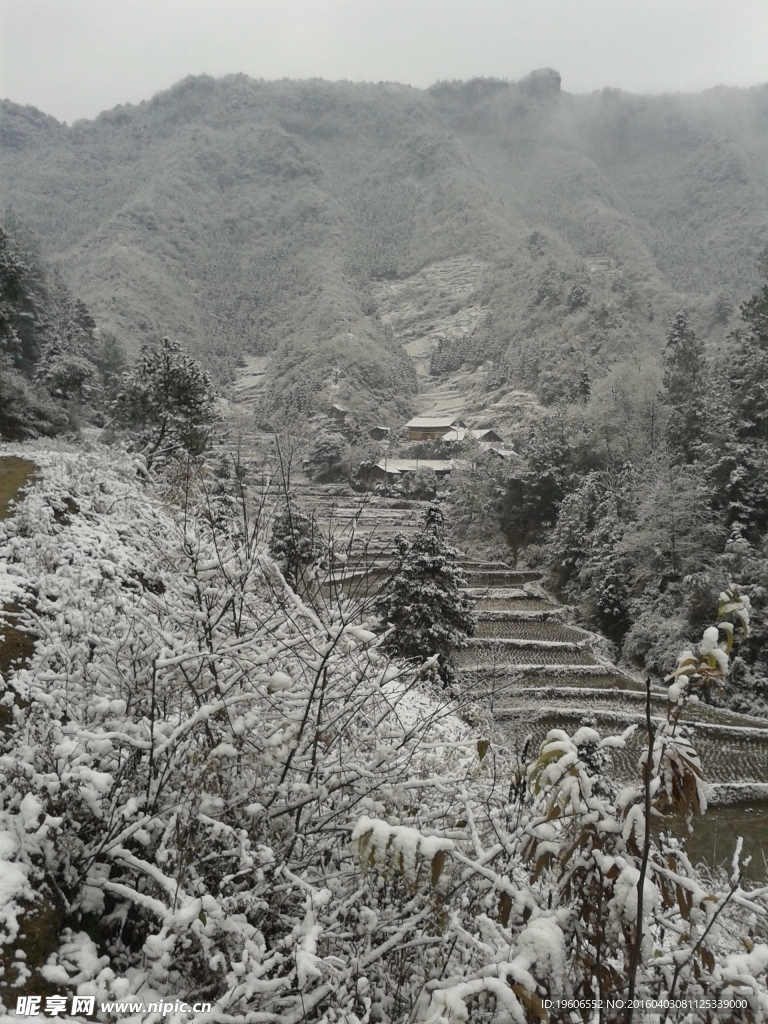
542, 943
14, 886
395, 847
626, 892
31, 810
710, 646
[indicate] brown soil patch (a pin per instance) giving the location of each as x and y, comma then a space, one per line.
16, 644
15, 474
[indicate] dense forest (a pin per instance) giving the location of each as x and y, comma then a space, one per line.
645, 500
55, 366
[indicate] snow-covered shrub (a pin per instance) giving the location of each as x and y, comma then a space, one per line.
655, 636
421, 484
296, 544
190, 751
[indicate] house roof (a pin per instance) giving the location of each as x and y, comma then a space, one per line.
434, 422
411, 465
459, 433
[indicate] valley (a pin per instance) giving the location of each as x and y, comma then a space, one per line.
371, 456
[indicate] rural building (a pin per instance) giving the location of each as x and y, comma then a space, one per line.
393, 470
431, 428
379, 433
461, 433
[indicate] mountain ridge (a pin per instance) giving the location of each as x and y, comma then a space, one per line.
247, 216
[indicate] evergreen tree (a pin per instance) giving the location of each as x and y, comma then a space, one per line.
675, 532
534, 494
588, 554
28, 317
328, 448
67, 365
167, 399
421, 484
584, 385
736, 451
684, 376
295, 543
23, 297
424, 601
748, 366
109, 358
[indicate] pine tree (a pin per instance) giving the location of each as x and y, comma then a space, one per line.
534, 494
684, 376
587, 546
424, 601
28, 337
167, 399
584, 385
23, 298
67, 365
736, 450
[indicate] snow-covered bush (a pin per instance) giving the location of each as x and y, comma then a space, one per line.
189, 753
656, 635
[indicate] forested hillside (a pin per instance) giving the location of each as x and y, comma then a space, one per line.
244, 216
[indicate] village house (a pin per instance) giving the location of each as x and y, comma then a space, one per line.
379, 433
431, 428
394, 470
462, 433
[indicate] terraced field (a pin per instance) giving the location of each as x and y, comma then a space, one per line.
536, 673
369, 523
500, 577
542, 673
720, 749
528, 629
497, 608
489, 653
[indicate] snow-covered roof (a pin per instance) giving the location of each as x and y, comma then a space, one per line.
411, 465
433, 422
459, 433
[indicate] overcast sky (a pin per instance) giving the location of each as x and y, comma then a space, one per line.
75, 58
